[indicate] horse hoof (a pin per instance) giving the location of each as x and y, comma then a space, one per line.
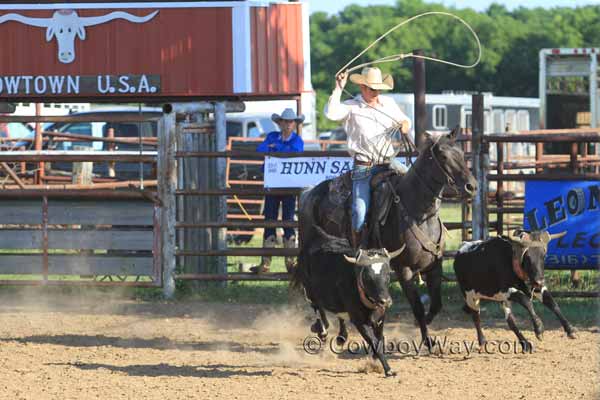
526, 345
571, 335
390, 373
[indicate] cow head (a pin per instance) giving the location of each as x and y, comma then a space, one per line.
64, 25
529, 252
373, 276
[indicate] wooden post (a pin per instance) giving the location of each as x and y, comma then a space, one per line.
167, 185
420, 107
110, 133
221, 142
479, 169
573, 158
539, 153
82, 171
39, 175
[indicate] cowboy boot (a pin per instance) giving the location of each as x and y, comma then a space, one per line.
290, 262
265, 261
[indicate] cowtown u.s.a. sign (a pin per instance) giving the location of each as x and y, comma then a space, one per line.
159, 50
76, 84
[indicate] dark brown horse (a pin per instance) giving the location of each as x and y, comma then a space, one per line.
404, 211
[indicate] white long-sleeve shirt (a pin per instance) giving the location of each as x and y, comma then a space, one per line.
366, 125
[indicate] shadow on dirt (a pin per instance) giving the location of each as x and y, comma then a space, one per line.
160, 343
156, 370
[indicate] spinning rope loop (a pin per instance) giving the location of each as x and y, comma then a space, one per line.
408, 145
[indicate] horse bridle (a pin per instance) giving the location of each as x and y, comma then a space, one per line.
449, 179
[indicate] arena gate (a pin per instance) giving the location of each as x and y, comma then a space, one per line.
112, 231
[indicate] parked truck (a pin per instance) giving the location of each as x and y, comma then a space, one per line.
568, 86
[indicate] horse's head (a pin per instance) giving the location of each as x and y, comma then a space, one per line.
449, 159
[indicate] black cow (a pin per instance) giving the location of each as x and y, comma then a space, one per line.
354, 286
502, 269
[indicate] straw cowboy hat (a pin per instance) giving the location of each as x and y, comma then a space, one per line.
288, 114
371, 77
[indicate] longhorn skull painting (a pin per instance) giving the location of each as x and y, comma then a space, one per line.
65, 24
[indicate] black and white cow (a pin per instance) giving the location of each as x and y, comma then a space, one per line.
507, 269
354, 288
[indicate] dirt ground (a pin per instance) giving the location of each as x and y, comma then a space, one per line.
102, 348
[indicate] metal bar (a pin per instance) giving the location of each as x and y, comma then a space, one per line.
93, 194
479, 201
281, 224
77, 186
539, 153
73, 283
258, 251
500, 188
272, 276
221, 142
135, 117
111, 138
45, 237
506, 210
37, 145
244, 201
157, 244
594, 90
575, 294
542, 88
13, 175
239, 191
545, 177
239, 224
543, 138
242, 251
74, 156
420, 108
168, 184
573, 158
202, 107
257, 155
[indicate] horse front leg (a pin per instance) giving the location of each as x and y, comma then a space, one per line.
406, 279
434, 288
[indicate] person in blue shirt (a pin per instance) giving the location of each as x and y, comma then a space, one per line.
286, 141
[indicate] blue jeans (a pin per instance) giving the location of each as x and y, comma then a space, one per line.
288, 209
361, 193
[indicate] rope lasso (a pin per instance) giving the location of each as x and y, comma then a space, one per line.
401, 56
408, 145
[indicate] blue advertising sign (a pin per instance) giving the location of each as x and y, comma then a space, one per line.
572, 206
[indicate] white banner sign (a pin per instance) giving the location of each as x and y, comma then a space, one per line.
303, 171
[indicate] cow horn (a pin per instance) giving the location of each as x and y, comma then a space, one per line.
547, 237
353, 260
395, 253
39, 22
89, 21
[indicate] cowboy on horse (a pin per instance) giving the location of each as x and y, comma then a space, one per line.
368, 120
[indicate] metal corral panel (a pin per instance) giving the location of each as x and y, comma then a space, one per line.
97, 212
150, 50
78, 239
76, 265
